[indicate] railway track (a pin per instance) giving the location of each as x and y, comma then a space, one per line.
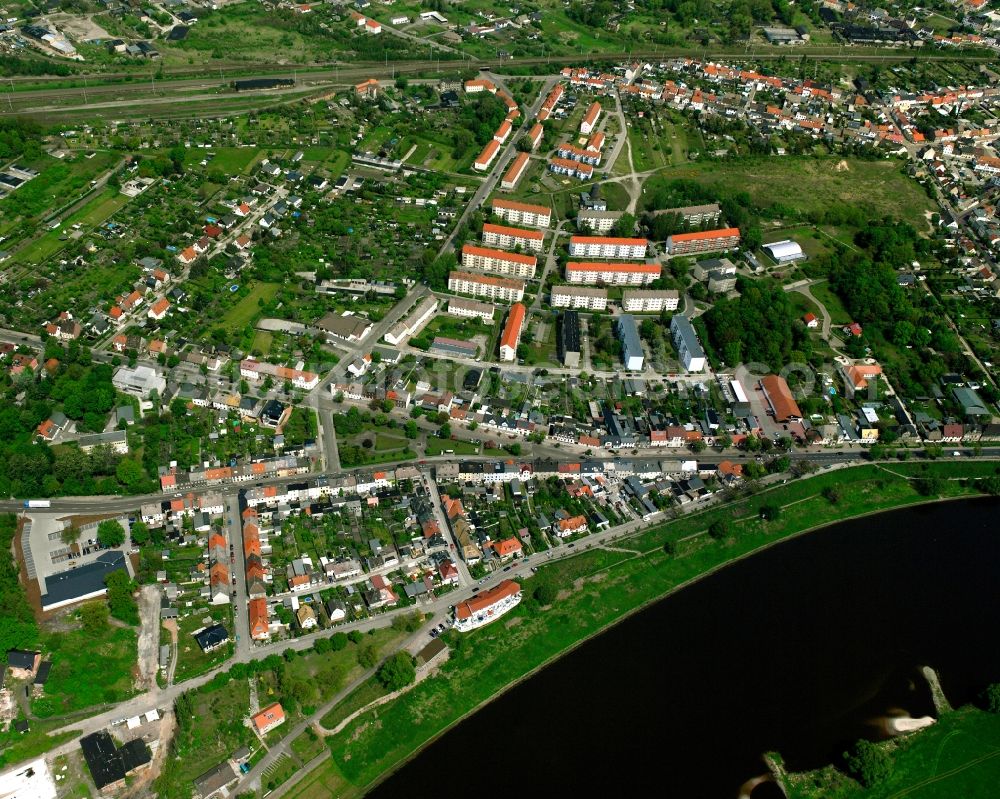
106, 93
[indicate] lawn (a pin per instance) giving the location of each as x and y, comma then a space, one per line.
245, 309
807, 184
231, 160
606, 585
307, 745
437, 446
74, 683
322, 783
957, 757
94, 213
386, 442
825, 295
279, 772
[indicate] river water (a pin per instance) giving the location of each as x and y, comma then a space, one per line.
801, 649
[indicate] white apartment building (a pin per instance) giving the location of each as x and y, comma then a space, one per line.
413, 323
604, 247
257, 370
522, 213
471, 309
499, 262
579, 298
496, 288
597, 221
650, 300
507, 238
591, 119
612, 274
515, 172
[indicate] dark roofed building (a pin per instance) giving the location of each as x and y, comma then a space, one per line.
177, 33
214, 779
23, 659
569, 338
83, 582
103, 760
134, 754
43, 672
212, 637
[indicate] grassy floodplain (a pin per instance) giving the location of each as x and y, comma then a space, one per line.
957, 757
598, 588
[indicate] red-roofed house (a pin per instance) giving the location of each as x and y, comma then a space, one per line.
270, 717
508, 548
159, 309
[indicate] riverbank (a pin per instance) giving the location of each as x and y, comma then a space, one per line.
599, 588
959, 756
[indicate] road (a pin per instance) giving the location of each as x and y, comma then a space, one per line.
241, 611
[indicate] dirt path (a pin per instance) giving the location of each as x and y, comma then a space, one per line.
171, 626
149, 635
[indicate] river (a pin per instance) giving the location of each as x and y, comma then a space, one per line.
802, 648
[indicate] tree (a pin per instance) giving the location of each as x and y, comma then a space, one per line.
545, 594
831, 494
139, 534
869, 763
770, 512
355, 636
992, 696
121, 601
94, 616
322, 646
338, 641
397, 672
130, 473
110, 533
70, 535
720, 529
368, 656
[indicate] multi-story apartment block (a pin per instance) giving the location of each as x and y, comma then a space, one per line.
511, 335
508, 238
496, 288
590, 119
604, 247
575, 169
704, 241
516, 171
486, 157
522, 213
612, 274
471, 309
499, 262
574, 153
649, 300
579, 297
597, 221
